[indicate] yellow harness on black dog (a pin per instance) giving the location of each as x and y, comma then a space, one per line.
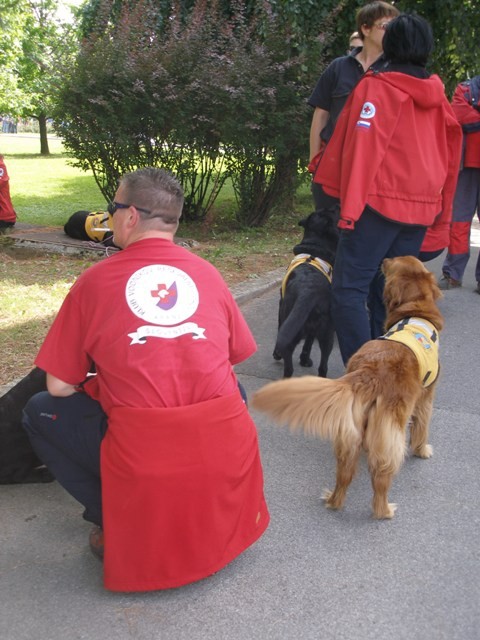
421, 337
303, 258
98, 224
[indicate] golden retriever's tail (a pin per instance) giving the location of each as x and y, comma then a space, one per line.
321, 407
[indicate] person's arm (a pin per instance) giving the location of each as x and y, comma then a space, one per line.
466, 114
319, 121
454, 143
59, 388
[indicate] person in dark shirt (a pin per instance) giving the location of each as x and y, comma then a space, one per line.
338, 80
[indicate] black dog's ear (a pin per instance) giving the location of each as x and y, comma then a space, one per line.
305, 221
319, 222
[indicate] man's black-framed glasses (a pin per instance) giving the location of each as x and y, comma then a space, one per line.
115, 206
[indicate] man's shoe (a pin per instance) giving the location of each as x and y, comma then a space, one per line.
95, 540
446, 282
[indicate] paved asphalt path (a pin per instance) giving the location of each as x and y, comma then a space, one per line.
315, 574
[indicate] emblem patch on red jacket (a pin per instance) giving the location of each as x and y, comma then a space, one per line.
368, 111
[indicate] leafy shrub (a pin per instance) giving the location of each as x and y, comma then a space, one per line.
150, 101
218, 92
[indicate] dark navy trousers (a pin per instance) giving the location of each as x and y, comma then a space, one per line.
357, 286
66, 434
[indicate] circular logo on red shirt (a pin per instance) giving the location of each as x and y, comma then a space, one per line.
161, 294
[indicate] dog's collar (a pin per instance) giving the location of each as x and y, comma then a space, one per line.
421, 337
322, 265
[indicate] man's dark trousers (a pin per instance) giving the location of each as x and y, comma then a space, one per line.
66, 434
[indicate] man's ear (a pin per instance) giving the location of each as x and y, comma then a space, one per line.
133, 218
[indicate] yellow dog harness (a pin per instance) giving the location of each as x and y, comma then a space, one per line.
421, 337
303, 258
97, 224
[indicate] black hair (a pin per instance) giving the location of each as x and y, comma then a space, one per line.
408, 39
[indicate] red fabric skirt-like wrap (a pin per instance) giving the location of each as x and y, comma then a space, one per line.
182, 493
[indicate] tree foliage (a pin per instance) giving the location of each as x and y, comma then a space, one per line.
211, 94
209, 88
152, 101
38, 44
456, 29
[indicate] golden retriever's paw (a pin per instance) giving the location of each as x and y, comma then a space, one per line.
326, 494
387, 513
424, 451
331, 501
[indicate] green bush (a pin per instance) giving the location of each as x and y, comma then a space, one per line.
151, 101
213, 94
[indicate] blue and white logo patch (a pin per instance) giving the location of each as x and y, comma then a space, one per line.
363, 124
368, 110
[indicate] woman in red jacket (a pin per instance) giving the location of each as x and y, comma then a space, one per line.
393, 162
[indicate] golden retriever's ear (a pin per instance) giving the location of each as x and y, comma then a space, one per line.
393, 292
435, 289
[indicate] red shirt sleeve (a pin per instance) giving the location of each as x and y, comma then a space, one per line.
62, 353
241, 342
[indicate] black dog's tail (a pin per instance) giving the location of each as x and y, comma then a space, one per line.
293, 324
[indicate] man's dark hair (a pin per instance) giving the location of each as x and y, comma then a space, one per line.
408, 39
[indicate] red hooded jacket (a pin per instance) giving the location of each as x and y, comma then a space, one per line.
396, 148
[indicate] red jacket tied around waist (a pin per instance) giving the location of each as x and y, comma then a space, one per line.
182, 492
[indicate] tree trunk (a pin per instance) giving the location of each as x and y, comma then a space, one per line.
42, 122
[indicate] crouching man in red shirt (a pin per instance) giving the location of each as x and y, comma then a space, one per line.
158, 446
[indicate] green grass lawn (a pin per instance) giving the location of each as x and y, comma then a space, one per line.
46, 190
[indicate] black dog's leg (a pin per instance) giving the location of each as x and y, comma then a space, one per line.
326, 345
276, 354
305, 359
288, 363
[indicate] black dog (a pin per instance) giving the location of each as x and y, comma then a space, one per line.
18, 462
304, 311
95, 226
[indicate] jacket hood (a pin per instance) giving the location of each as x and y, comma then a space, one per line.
425, 92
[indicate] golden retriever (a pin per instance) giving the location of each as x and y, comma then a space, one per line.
382, 390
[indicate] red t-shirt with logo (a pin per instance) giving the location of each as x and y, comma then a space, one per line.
158, 322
